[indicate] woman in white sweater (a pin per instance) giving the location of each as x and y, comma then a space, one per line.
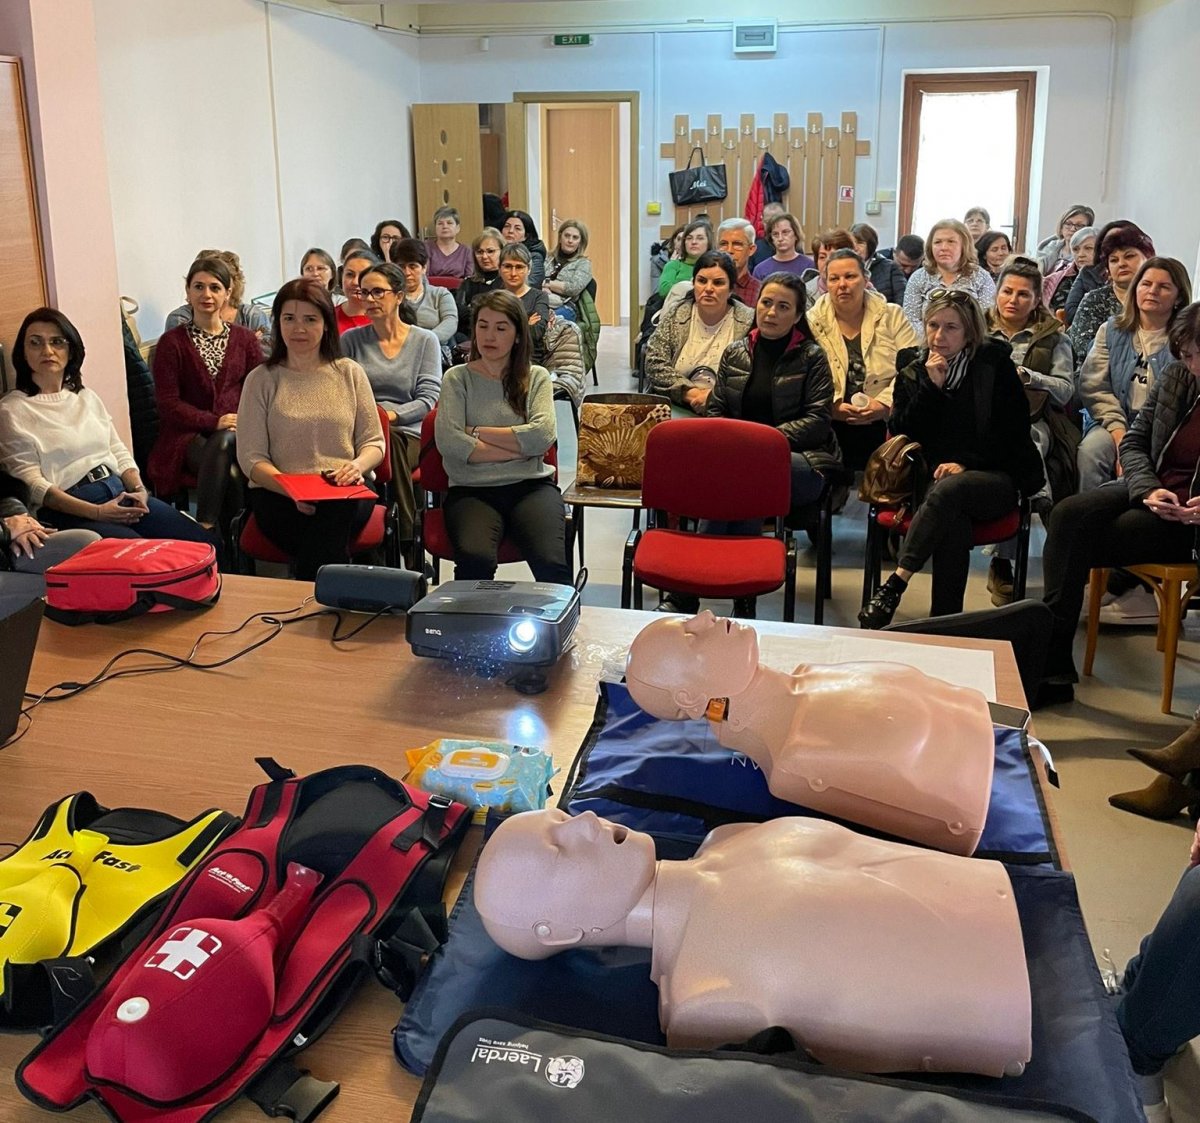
58, 439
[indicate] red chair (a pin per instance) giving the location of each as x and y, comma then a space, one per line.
381, 529
450, 283
431, 536
713, 468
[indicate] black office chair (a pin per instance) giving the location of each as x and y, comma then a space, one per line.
1025, 624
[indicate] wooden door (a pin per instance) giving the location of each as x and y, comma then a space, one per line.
580, 161
22, 276
446, 163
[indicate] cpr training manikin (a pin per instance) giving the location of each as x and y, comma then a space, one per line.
876, 955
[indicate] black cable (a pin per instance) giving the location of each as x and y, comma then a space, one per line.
277, 621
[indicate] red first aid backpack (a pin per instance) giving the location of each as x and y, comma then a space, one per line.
117, 578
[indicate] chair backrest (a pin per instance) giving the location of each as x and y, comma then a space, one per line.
717, 468
433, 471
383, 471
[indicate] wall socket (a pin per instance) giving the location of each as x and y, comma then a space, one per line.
874, 208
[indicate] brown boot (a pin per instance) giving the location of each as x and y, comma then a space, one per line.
1178, 758
1164, 798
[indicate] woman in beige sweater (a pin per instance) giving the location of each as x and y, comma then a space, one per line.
308, 410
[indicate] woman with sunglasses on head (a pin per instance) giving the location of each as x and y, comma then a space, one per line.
352, 313
495, 423
519, 230
960, 397
403, 364
432, 305
308, 410
58, 439
950, 263
199, 370
1128, 354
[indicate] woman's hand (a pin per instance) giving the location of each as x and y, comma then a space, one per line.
306, 508
227, 421
937, 368
868, 414
26, 534
125, 510
947, 469
1164, 503
696, 399
346, 475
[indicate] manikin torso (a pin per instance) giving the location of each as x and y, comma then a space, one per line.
876, 956
881, 744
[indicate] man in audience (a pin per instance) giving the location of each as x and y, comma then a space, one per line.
735, 236
763, 246
908, 253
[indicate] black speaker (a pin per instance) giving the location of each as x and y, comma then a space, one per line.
368, 588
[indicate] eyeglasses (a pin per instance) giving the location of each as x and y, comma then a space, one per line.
951, 296
389, 238
1073, 226
375, 294
58, 342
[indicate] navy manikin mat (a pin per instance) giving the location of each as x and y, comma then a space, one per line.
673, 779
18, 638
497, 1065
1079, 1057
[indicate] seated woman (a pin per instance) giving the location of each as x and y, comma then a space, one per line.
58, 439
348, 247
697, 240
950, 263
403, 364
885, 275
519, 230
961, 398
993, 250
977, 221
1054, 254
514, 276
784, 233
252, 316
1056, 286
448, 257
1149, 514
685, 350
662, 252
486, 250
199, 369
1045, 366
308, 410
495, 422
1127, 355
1121, 250
861, 334
433, 306
387, 234
822, 246
568, 269
351, 313
318, 266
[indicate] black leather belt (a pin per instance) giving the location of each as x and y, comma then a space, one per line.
100, 472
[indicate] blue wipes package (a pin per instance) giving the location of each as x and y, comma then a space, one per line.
484, 775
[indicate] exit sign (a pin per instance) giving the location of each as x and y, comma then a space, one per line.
572, 40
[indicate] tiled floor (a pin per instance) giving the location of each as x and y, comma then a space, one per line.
1126, 866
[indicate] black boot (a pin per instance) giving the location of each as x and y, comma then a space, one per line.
679, 602
882, 606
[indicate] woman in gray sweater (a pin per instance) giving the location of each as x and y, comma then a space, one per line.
403, 364
495, 423
434, 307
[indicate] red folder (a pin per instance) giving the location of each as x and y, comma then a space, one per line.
314, 488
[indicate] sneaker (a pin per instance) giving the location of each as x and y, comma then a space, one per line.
881, 607
1154, 1099
1000, 581
1137, 608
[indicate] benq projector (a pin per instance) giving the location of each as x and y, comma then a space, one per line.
516, 623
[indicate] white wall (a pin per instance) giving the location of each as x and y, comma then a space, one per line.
1160, 121
265, 130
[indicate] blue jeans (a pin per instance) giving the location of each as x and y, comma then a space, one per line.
163, 521
1160, 1010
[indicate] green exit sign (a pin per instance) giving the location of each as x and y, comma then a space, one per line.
572, 40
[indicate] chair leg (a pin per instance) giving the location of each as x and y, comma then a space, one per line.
637, 594
1096, 585
873, 562
1021, 565
595, 376
579, 510
789, 586
1171, 613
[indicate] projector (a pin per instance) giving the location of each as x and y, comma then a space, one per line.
522, 624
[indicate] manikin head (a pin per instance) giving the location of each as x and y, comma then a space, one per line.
676, 666
547, 882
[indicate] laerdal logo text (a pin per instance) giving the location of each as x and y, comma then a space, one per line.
228, 879
506, 1052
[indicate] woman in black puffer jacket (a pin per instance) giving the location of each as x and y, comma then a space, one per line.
961, 398
1148, 514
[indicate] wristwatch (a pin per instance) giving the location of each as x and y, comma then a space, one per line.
475, 432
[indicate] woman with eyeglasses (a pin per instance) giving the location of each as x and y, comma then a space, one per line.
514, 276
950, 263
58, 439
308, 410
784, 233
1099, 293
1055, 252
495, 423
199, 370
352, 313
432, 305
387, 234
1129, 353
960, 397
1149, 514
486, 250
403, 364
1056, 286
317, 265
448, 257
519, 230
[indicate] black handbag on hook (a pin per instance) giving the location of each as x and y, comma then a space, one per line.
707, 183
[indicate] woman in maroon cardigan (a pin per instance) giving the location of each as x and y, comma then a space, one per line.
199, 369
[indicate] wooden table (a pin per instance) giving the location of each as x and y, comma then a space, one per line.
184, 740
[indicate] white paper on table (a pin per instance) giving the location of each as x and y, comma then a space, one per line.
956, 665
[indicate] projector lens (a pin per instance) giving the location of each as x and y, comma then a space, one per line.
522, 636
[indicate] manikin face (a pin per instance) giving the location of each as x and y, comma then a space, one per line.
1156, 293
513, 230
301, 326
947, 248
1085, 254
945, 333
495, 335
846, 284
777, 311
1015, 300
487, 257
783, 238
738, 245
551, 880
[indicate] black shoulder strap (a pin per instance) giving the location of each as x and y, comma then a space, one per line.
283, 1089
39, 995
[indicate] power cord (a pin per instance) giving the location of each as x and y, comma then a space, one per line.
276, 621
